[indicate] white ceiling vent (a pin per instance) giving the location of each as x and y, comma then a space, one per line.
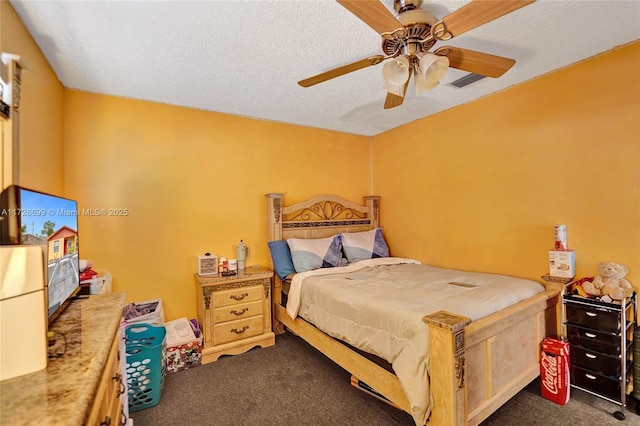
467, 80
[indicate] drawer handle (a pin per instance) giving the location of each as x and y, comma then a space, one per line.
122, 388
118, 379
242, 296
590, 376
106, 421
234, 312
591, 314
592, 356
590, 335
235, 330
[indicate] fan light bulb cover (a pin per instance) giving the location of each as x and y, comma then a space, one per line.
396, 71
432, 68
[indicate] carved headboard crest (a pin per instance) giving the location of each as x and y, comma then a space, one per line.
320, 215
325, 210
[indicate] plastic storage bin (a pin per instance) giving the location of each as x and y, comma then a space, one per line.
99, 284
148, 312
145, 350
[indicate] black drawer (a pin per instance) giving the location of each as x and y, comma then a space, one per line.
593, 318
593, 339
595, 361
602, 385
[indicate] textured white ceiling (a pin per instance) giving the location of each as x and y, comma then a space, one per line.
245, 57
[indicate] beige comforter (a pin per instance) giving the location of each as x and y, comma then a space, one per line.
377, 305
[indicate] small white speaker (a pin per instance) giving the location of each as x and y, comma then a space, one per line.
23, 314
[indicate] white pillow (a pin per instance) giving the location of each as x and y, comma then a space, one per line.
364, 245
316, 253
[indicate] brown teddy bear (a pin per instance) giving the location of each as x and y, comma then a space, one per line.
610, 284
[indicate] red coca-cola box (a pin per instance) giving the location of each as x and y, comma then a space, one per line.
554, 370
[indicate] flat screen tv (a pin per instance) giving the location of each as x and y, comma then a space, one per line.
33, 217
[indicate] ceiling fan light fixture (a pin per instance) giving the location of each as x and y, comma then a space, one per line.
422, 85
396, 71
432, 68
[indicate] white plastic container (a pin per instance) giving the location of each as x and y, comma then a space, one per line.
154, 317
100, 283
179, 332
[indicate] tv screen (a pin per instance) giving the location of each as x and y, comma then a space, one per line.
33, 217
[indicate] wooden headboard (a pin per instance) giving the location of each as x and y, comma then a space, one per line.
320, 217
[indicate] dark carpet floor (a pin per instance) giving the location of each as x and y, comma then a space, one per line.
292, 383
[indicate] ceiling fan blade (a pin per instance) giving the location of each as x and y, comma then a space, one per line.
373, 13
393, 100
476, 62
345, 69
479, 12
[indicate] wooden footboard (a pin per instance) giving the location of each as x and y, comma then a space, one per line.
489, 360
475, 366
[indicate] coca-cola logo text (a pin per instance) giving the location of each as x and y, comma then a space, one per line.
552, 376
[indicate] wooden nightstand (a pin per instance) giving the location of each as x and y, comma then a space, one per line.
235, 312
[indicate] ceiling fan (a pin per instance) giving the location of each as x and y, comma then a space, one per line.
407, 39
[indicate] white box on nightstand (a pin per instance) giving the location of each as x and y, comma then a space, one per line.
562, 263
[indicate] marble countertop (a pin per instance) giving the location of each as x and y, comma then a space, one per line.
251, 272
63, 392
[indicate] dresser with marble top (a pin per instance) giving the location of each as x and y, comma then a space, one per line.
83, 382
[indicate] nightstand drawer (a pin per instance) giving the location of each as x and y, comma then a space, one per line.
593, 318
593, 339
238, 311
595, 361
237, 295
236, 330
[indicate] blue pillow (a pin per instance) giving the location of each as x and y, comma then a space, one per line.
316, 253
281, 256
364, 245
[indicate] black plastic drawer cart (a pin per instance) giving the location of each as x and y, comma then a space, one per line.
601, 337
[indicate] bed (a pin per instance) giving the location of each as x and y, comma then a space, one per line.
465, 361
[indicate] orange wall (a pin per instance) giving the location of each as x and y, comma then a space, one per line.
41, 151
192, 182
481, 186
483, 189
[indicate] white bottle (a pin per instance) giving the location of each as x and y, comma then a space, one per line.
242, 252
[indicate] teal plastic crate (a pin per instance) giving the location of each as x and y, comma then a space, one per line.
145, 350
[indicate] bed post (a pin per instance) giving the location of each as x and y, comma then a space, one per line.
274, 216
373, 204
446, 356
274, 232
